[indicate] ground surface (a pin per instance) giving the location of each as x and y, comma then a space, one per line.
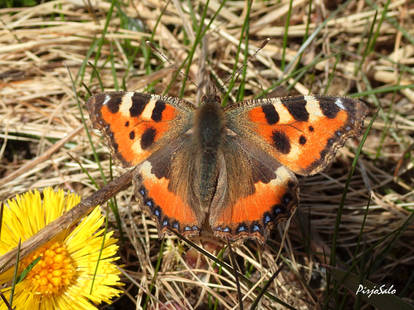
360, 49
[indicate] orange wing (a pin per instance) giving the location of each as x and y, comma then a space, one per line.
253, 192
137, 124
266, 140
302, 133
164, 182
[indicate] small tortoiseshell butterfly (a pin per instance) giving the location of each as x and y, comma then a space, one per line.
232, 169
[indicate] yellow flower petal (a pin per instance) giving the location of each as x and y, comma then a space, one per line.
63, 277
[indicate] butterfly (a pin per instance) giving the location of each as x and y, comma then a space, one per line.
228, 170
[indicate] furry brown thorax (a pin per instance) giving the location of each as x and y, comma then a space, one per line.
209, 131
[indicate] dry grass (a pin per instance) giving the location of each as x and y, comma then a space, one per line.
358, 53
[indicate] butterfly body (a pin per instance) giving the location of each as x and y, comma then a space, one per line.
229, 170
209, 130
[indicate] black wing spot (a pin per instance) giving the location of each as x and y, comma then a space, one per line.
311, 128
114, 102
272, 117
281, 142
126, 123
328, 107
132, 135
157, 111
302, 140
297, 108
139, 101
148, 137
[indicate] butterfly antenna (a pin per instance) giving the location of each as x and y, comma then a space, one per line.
165, 59
203, 77
249, 59
222, 84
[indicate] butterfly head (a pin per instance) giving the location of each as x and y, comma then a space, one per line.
211, 96
209, 122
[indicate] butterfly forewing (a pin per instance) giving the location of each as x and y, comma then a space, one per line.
137, 124
302, 133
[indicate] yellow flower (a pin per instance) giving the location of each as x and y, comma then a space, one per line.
69, 274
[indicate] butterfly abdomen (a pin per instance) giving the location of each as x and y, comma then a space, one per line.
209, 128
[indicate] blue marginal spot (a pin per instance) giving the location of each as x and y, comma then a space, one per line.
176, 225
142, 191
226, 229
241, 228
187, 228
149, 203
255, 227
157, 212
195, 227
266, 218
165, 223
287, 198
277, 210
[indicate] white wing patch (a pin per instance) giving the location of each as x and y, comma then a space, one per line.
107, 98
340, 104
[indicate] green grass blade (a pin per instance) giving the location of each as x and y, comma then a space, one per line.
332, 259
243, 33
15, 277
313, 36
193, 48
285, 36
156, 270
101, 40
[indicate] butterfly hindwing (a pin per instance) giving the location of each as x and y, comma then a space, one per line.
136, 124
165, 184
303, 132
256, 192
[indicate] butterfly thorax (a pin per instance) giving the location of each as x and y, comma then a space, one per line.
209, 129
209, 124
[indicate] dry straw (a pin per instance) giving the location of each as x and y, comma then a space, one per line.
366, 50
